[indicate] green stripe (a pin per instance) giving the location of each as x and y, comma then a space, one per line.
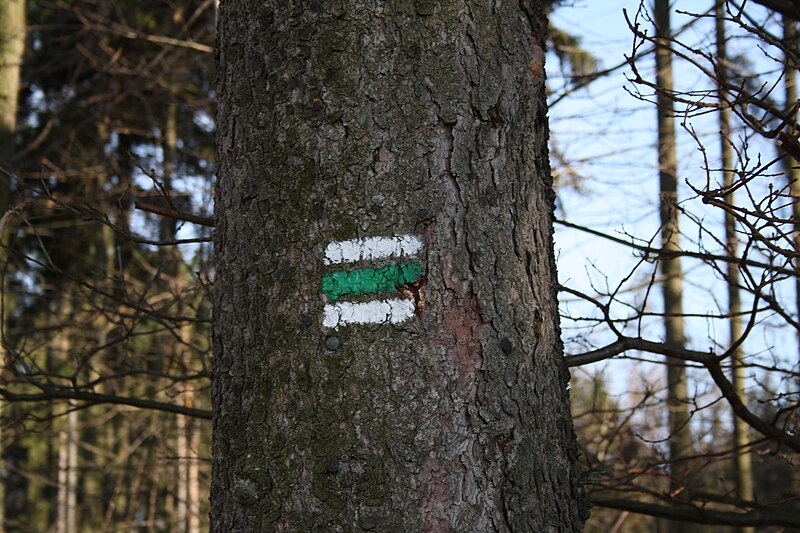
369, 280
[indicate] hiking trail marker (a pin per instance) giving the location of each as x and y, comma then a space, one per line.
389, 263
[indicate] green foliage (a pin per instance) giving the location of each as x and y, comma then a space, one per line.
575, 60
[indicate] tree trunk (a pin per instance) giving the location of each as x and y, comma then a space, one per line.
63, 472
193, 469
72, 471
12, 46
68, 439
387, 352
182, 453
192, 435
679, 415
742, 466
791, 37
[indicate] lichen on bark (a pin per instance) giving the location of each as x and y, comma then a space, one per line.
345, 119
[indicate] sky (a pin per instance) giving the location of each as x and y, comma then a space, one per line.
608, 137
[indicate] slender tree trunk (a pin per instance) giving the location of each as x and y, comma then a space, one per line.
72, 471
63, 472
680, 441
12, 46
387, 352
791, 38
193, 469
192, 440
187, 505
169, 144
68, 448
182, 452
152, 501
743, 467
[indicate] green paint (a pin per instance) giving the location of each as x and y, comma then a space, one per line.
370, 280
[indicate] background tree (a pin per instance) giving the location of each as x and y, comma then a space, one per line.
765, 266
678, 407
12, 39
116, 110
102, 317
441, 405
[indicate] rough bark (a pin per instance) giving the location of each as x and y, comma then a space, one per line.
679, 415
347, 119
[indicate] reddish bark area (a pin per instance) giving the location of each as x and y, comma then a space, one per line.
435, 505
463, 324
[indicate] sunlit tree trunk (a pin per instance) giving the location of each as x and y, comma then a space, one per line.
182, 453
193, 468
743, 468
680, 440
72, 473
68, 439
192, 436
387, 353
12, 45
63, 472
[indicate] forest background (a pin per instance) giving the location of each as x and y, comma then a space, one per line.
108, 153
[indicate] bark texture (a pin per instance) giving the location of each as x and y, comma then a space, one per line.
345, 119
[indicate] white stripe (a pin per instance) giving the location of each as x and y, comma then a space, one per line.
371, 248
393, 311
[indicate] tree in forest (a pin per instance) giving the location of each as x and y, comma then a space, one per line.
108, 313
12, 39
738, 235
406, 183
387, 352
678, 403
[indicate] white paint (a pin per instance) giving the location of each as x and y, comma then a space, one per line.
392, 311
371, 248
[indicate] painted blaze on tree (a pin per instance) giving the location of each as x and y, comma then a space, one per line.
344, 122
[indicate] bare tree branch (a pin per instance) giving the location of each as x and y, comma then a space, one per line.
700, 515
92, 398
710, 361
